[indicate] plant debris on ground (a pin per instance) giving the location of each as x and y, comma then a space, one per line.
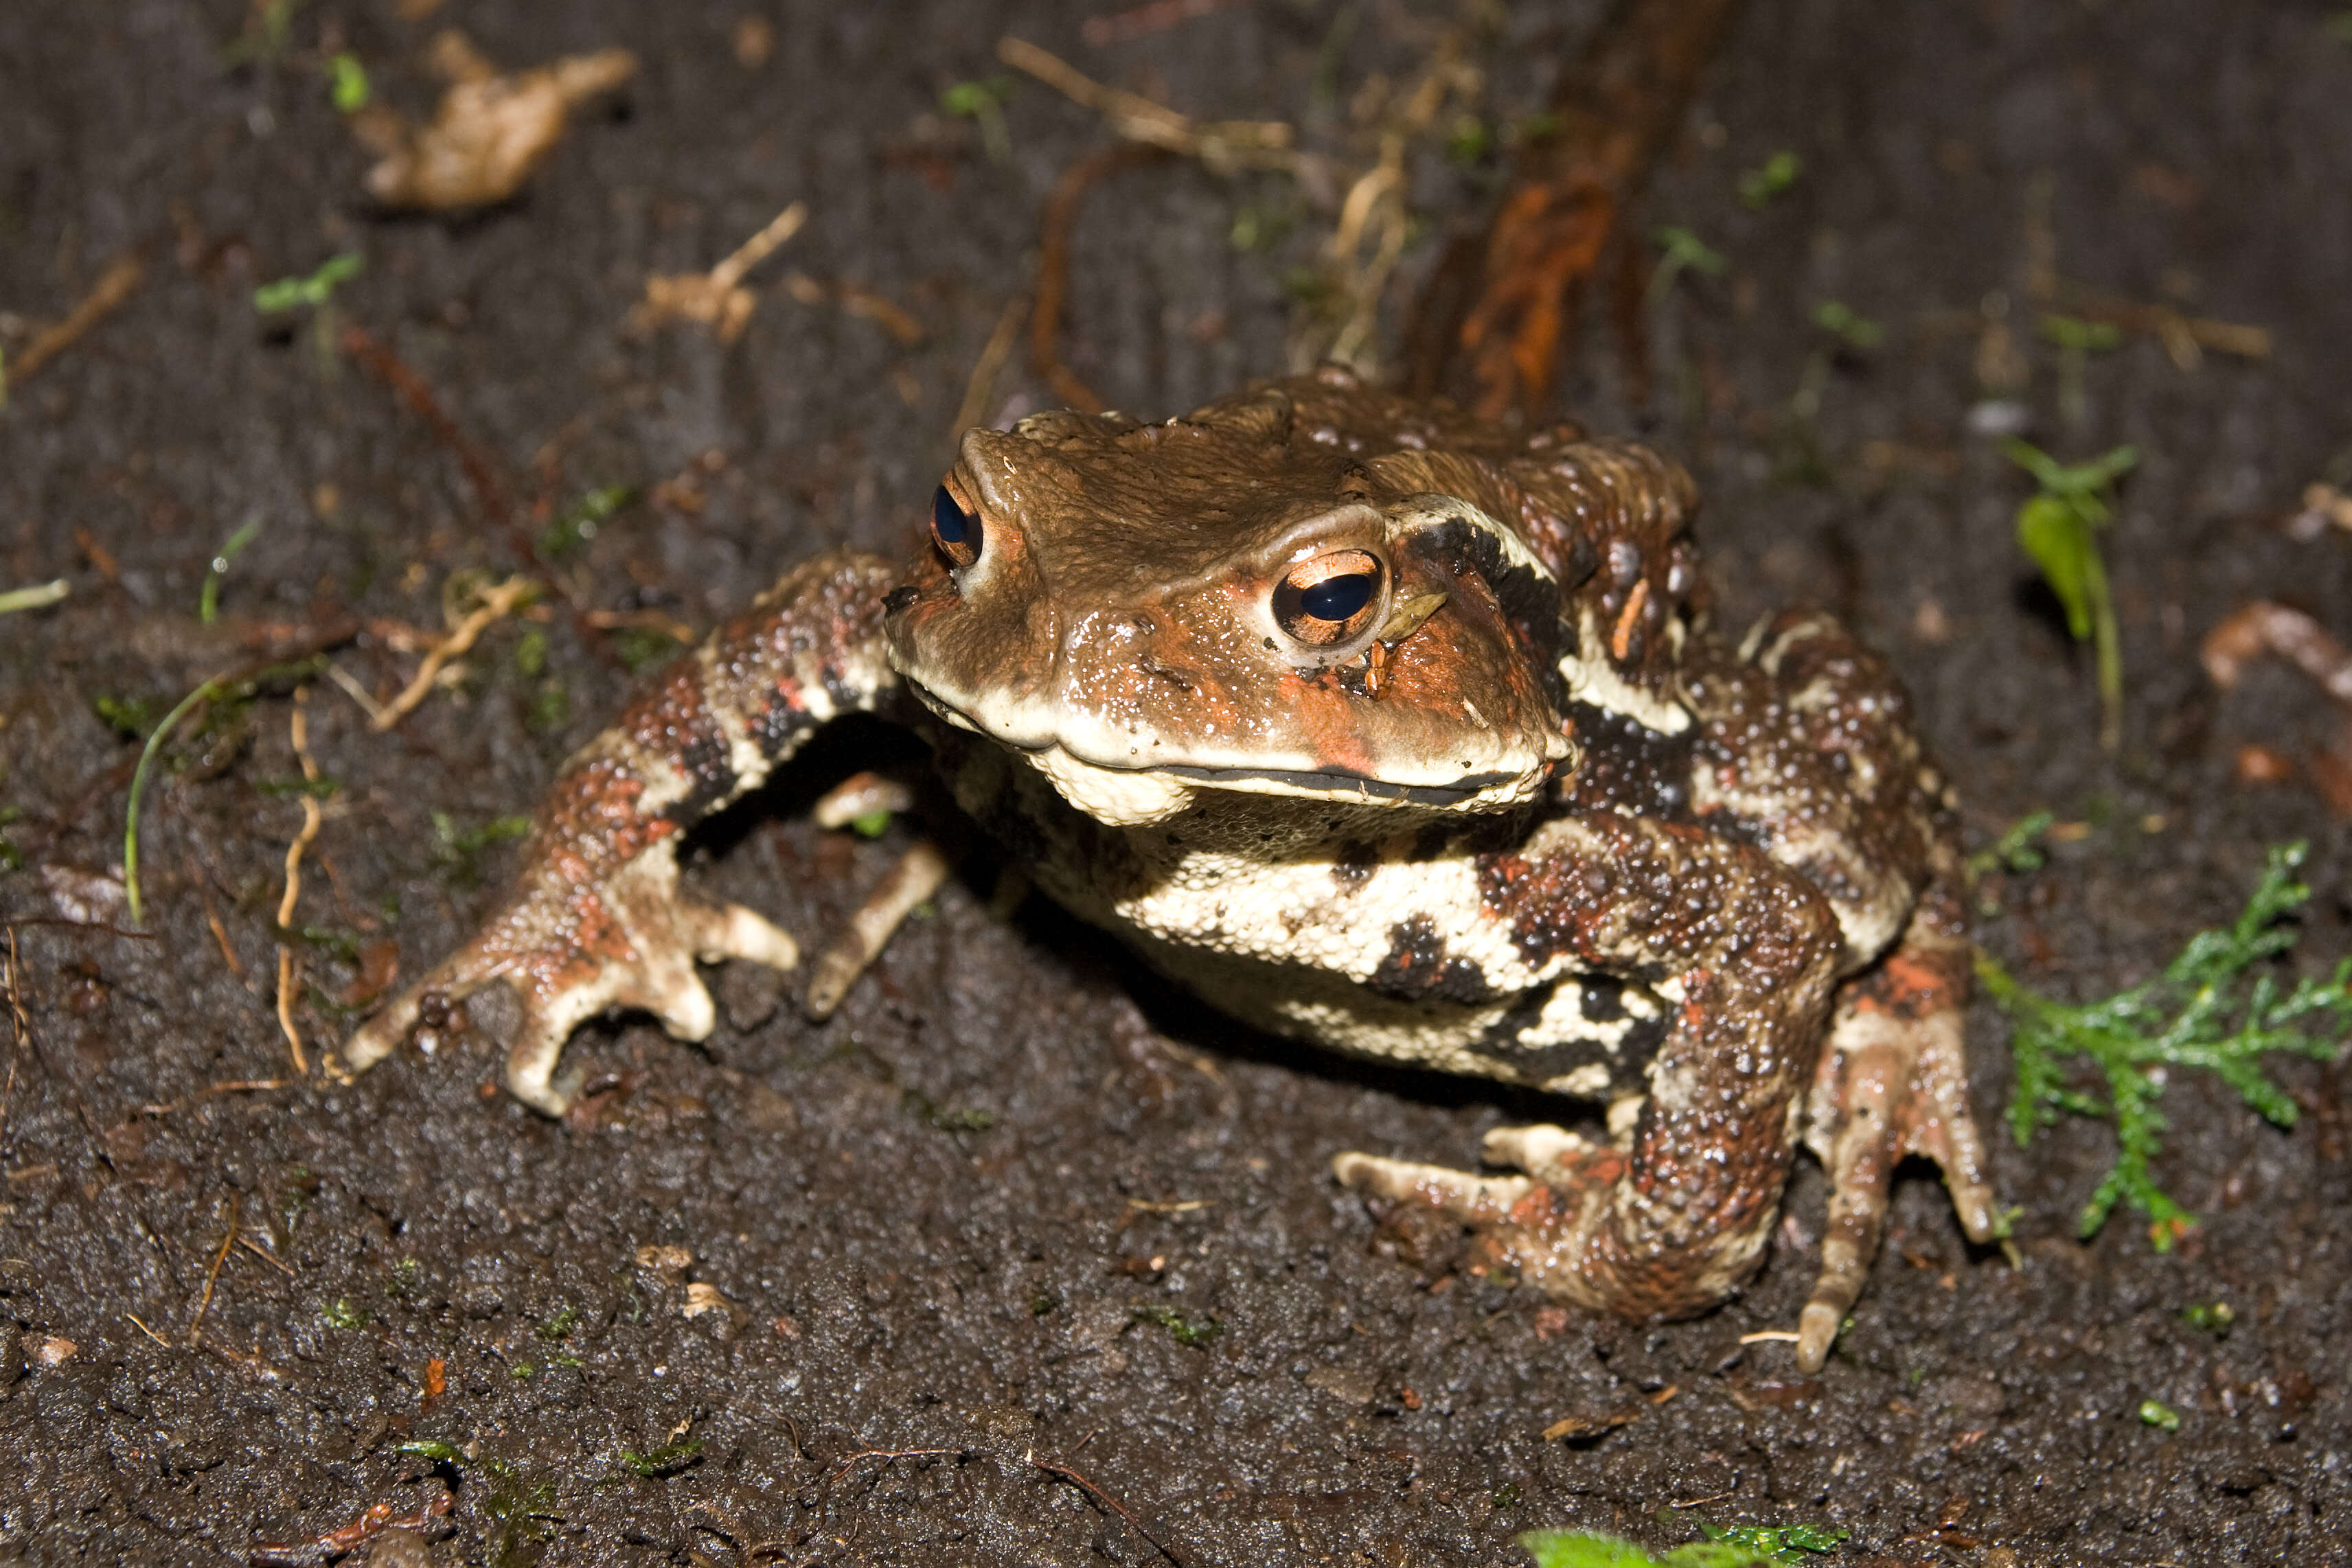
2208, 1009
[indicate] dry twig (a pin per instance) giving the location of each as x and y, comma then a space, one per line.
235, 1206
1054, 267
904, 329
497, 604
21, 1030
288, 969
980, 387
1374, 222
717, 298
2185, 338
377, 1519
1067, 1474
413, 390
1225, 145
114, 286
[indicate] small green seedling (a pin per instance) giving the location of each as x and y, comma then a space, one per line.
871, 824
347, 82
204, 692
2059, 527
983, 102
667, 1459
1786, 1544
577, 523
2199, 1013
1742, 1546
640, 648
459, 851
1757, 186
340, 1314
269, 33
947, 1118
41, 595
2153, 1414
1190, 1332
2211, 1317
2015, 850
318, 290
456, 853
1682, 251
1260, 225
208, 597
1468, 140
432, 1449
2077, 341
127, 716
559, 1327
524, 1508
1855, 331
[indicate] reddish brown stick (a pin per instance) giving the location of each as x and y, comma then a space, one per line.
1619, 104
1054, 267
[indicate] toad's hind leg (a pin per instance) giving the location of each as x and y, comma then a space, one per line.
1667, 1218
1893, 1081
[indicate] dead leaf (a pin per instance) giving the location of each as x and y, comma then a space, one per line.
668, 1261
1584, 1428
716, 298
489, 130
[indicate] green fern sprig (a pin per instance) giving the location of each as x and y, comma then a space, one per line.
2198, 1013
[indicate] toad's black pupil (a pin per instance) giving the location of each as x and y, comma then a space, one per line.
1337, 597
951, 521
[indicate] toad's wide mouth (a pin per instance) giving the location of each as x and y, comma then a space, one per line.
1342, 785
1061, 759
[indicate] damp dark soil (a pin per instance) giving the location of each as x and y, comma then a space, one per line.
882, 1290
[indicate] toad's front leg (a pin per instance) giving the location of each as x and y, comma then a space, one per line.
596, 919
1669, 1221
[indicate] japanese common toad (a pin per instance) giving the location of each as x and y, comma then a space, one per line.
1379, 725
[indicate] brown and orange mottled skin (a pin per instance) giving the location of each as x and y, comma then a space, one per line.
1381, 725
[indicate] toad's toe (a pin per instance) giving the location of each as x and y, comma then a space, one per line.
1484, 1202
1545, 1151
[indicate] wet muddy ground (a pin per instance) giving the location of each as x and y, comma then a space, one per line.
970, 1237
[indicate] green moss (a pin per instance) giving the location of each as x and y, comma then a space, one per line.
576, 524
665, 1460
457, 852
1189, 1330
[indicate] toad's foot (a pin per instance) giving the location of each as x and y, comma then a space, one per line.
1542, 1224
919, 873
1892, 1081
564, 951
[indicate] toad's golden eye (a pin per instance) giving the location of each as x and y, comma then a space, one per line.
956, 531
1329, 599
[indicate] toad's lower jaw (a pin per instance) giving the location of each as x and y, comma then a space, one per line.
1117, 797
